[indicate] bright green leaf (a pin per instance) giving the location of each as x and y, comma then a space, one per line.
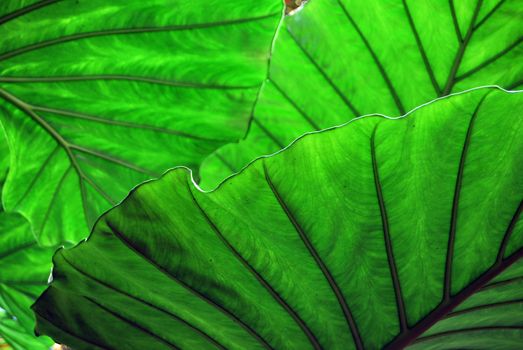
17, 337
357, 236
339, 59
24, 270
490, 319
97, 96
4, 162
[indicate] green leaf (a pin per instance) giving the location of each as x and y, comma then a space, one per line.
357, 236
4, 162
25, 268
18, 338
489, 319
99, 96
339, 59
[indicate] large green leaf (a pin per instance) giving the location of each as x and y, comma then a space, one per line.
25, 268
339, 59
97, 96
358, 236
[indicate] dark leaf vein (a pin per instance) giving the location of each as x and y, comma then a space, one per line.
323, 267
25, 10
455, 203
146, 303
138, 79
294, 315
123, 31
324, 75
376, 60
386, 234
187, 287
132, 323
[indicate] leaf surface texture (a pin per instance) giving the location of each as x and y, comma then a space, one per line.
339, 59
360, 236
97, 96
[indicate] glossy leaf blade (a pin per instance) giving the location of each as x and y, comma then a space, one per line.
92, 91
339, 59
361, 236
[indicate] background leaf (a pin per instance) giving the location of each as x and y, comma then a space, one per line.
359, 236
339, 59
25, 268
17, 338
24, 271
99, 96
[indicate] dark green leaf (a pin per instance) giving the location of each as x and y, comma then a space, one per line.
98, 96
358, 236
339, 59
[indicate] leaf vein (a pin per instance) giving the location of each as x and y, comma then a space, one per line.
400, 304
294, 315
376, 60
343, 97
465, 330
318, 260
451, 79
144, 302
83, 340
295, 105
113, 159
489, 61
124, 31
421, 49
455, 203
101, 120
482, 307
132, 323
25, 10
139, 79
187, 287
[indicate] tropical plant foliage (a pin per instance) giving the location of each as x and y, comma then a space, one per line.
377, 221
381, 232
94, 91
94, 100
337, 60
25, 268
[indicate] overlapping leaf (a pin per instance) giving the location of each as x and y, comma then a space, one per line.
98, 96
361, 236
339, 59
